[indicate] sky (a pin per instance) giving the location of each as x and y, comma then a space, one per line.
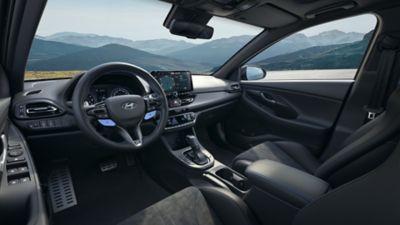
142, 20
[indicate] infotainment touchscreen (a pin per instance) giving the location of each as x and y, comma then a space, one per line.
174, 81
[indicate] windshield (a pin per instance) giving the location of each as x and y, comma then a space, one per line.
76, 35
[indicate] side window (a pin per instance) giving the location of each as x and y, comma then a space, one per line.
329, 51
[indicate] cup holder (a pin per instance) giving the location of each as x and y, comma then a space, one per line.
237, 180
231, 178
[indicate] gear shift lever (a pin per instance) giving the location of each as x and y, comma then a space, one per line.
196, 155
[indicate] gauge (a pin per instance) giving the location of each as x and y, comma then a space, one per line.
101, 94
119, 91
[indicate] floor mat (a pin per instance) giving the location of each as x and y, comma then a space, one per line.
110, 197
61, 189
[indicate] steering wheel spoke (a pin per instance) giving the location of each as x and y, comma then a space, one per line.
98, 110
153, 102
135, 137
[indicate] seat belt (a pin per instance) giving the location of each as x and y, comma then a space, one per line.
388, 47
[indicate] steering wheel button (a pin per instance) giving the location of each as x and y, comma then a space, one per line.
107, 122
150, 115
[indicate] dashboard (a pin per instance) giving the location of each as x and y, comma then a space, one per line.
176, 84
46, 106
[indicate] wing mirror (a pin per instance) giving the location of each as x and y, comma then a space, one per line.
252, 73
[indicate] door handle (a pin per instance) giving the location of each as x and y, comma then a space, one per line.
268, 99
269, 104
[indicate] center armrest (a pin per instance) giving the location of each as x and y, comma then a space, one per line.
286, 183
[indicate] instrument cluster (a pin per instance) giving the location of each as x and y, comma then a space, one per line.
99, 93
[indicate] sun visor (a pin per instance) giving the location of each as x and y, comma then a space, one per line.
267, 16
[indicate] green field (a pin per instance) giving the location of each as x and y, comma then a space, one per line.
39, 75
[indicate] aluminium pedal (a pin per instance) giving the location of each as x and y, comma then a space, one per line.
108, 166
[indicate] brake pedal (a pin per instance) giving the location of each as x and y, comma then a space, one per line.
108, 166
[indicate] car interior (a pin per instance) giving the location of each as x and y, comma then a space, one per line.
140, 141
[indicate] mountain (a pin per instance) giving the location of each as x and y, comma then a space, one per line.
341, 56
292, 43
213, 53
156, 46
161, 46
333, 37
48, 52
216, 52
42, 49
90, 40
91, 57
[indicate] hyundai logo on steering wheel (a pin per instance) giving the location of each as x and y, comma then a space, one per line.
129, 106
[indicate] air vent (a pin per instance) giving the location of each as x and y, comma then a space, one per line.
33, 92
41, 109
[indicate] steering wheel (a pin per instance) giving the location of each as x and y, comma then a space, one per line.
123, 114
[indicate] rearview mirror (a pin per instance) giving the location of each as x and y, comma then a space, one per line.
191, 30
252, 73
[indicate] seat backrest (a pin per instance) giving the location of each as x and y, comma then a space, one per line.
367, 148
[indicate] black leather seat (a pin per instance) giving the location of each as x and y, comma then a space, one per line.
361, 152
193, 206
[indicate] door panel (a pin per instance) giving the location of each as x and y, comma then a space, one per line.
4, 105
301, 111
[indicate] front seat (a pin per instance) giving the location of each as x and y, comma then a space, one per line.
362, 151
370, 199
193, 206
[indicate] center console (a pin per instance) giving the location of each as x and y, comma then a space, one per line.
280, 188
185, 147
178, 87
180, 138
181, 121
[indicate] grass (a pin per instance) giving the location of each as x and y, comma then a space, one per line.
40, 75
